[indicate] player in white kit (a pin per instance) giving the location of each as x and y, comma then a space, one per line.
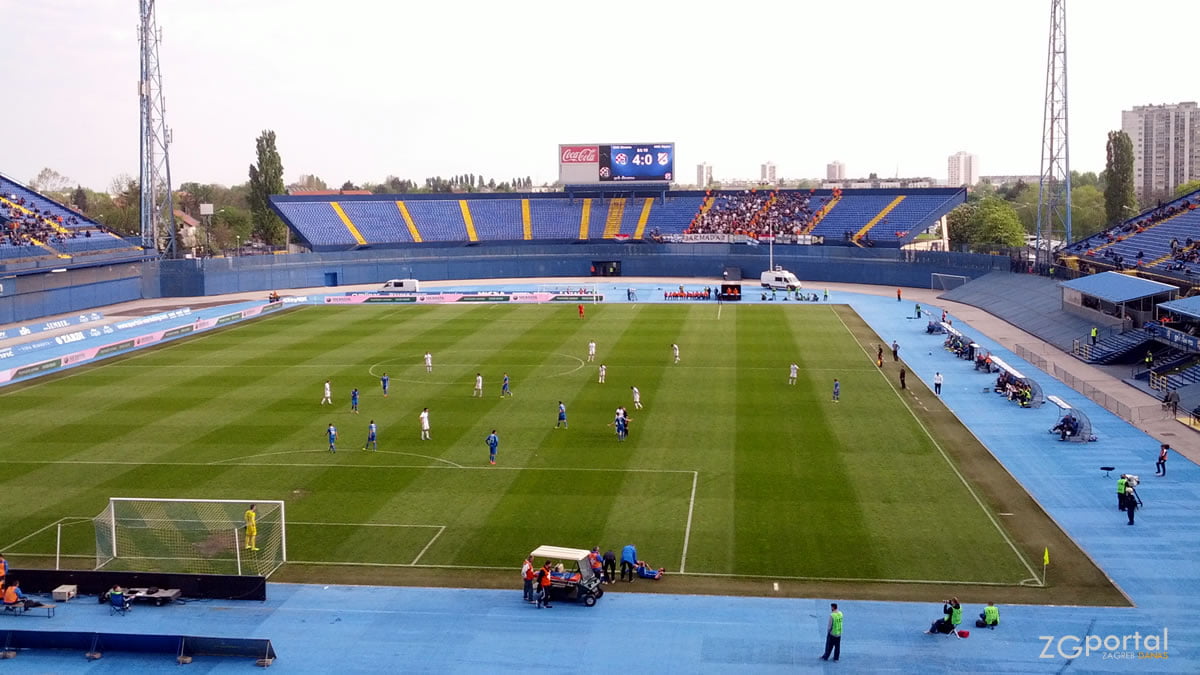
603, 372
428, 362
592, 350
793, 370
424, 418
675, 351
637, 398
478, 386
328, 398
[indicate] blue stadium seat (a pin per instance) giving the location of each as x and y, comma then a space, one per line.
438, 220
497, 219
379, 222
555, 218
318, 223
673, 215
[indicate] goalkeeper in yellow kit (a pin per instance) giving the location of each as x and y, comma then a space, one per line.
251, 528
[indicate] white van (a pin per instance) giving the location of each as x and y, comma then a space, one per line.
780, 279
404, 285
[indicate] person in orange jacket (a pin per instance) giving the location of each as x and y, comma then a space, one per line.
543, 580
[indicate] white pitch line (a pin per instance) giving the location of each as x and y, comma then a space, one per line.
99, 462
301, 522
234, 460
687, 533
435, 536
33, 534
946, 457
856, 580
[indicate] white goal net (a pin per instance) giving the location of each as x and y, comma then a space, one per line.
946, 282
576, 292
193, 536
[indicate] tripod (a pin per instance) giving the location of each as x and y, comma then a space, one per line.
1137, 498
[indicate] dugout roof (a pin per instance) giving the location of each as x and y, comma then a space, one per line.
1117, 288
1189, 307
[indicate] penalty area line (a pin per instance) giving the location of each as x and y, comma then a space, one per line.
427, 545
687, 532
856, 580
1008, 540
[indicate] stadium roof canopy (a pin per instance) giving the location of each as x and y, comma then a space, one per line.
1117, 288
1189, 307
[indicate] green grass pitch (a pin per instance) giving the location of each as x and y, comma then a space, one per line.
727, 471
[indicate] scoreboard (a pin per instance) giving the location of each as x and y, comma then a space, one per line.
613, 162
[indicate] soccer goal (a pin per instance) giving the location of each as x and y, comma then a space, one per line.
578, 292
946, 282
192, 536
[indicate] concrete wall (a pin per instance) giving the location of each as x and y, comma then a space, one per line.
890, 267
23, 298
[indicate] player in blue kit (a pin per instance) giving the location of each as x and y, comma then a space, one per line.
383, 381
504, 390
493, 442
562, 416
621, 423
331, 432
837, 390
371, 442
354, 401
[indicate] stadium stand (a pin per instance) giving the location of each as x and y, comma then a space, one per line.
438, 220
34, 228
497, 219
378, 220
1165, 239
321, 222
887, 217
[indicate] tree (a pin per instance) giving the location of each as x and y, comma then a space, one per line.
1087, 210
229, 225
349, 186
995, 224
48, 180
1084, 179
79, 199
958, 227
1120, 201
266, 179
1025, 202
1187, 188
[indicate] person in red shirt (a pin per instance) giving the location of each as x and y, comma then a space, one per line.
581, 310
597, 564
527, 575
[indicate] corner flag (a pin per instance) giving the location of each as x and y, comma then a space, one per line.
1046, 557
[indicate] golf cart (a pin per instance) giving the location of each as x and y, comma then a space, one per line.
576, 581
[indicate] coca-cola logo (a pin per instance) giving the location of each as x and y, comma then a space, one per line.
580, 154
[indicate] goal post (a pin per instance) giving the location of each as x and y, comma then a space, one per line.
193, 536
946, 282
586, 291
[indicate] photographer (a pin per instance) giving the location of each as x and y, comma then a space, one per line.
952, 616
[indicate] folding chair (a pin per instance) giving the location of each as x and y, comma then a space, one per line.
117, 604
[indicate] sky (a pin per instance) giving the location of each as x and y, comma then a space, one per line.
358, 90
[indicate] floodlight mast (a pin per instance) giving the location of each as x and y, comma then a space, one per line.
1054, 183
154, 170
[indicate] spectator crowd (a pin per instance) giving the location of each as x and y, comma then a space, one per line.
756, 213
21, 224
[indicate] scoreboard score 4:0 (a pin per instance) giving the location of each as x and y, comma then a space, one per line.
637, 162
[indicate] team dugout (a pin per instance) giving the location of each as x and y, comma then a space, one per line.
1013, 384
